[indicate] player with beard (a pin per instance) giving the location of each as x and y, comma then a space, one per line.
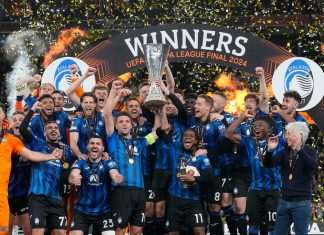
47, 114
12, 145
58, 98
92, 176
188, 172
207, 133
19, 180
226, 157
288, 113
46, 207
140, 129
128, 199
82, 127
265, 184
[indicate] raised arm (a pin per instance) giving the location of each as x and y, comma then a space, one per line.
41, 157
271, 158
109, 107
23, 128
27, 82
74, 138
264, 105
182, 114
71, 91
169, 77
278, 110
230, 131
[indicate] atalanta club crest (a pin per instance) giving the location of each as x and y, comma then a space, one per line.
299, 78
302, 75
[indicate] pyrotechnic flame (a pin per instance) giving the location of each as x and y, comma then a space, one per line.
65, 39
235, 96
125, 77
224, 81
235, 104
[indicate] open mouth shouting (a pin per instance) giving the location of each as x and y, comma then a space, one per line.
88, 111
188, 143
54, 134
48, 111
257, 133
57, 107
134, 113
101, 101
94, 152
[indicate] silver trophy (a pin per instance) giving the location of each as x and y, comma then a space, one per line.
155, 56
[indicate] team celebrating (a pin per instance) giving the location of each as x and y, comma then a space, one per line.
121, 166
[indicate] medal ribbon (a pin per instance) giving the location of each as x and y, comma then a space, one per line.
181, 156
261, 153
292, 163
200, 131
135, 130
93, 170
94, 129
130, 152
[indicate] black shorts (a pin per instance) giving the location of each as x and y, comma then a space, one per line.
226, 176
149, 194
128, 206
241, 182
18, 205
160, 184
262, 203
46, 212
184, 213
213, 190
100, 223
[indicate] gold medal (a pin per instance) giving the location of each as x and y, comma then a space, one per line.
290, 176
131, 161
178, 174
65, 165
261, 163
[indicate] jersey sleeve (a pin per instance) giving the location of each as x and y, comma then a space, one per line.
68, 120
300, 118
77, 164
17, 145
111, 165
204, 162
112, 142
75, 125
32, 124
70, 157
30, 101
